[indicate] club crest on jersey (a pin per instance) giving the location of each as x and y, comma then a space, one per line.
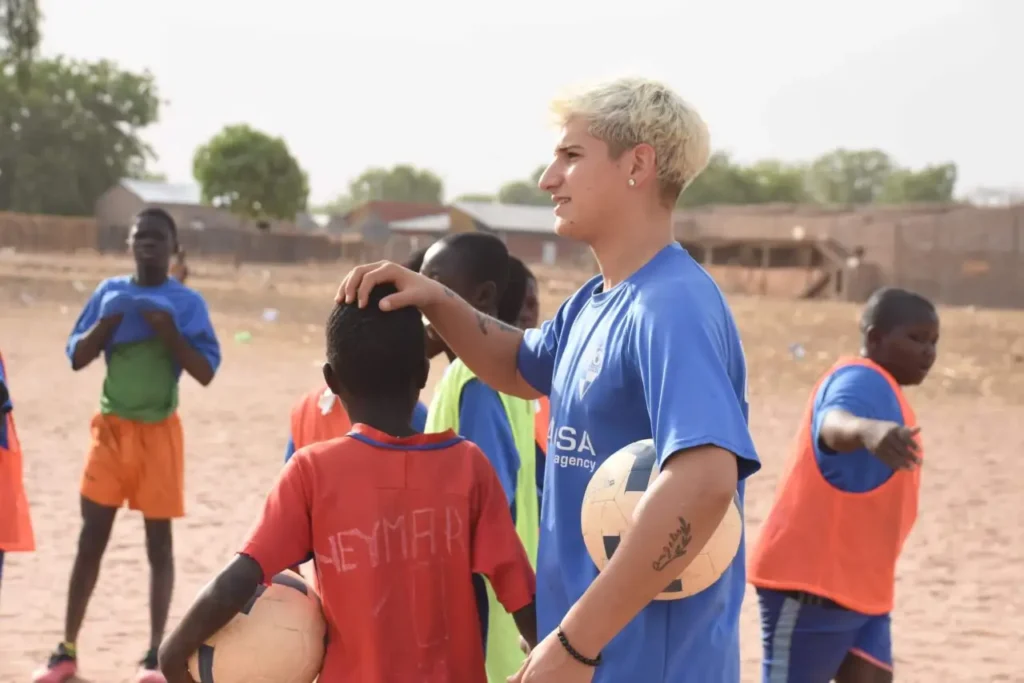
592, 370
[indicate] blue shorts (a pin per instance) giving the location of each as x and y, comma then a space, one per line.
806, 641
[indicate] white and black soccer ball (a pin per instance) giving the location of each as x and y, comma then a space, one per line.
611, 497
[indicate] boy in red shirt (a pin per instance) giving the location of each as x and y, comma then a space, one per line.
397, 523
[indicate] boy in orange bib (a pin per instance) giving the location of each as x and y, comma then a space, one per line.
825, 563
15, 522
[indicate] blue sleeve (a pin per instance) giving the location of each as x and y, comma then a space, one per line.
195, 325
289, 449
694, 376
419, 417
89, 316
483, 421
5, 407
859, 390
536, 358
537, 351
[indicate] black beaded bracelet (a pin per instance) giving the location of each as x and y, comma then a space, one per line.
574, 653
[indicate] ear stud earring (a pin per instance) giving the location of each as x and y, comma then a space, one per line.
632, 183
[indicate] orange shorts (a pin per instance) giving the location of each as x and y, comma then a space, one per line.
142, 463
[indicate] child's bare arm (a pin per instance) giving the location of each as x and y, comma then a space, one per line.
526, 622
94, 341
216, 605
190, 359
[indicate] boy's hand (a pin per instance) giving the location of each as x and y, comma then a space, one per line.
114, 304
108, 326
161, 322
178, 676
413, 289
550, 663
173, 664
893, 444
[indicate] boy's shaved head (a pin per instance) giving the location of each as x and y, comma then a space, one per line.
900, 332
891, 307
415, 260
156, 213
376, 354
515, 293
472, 264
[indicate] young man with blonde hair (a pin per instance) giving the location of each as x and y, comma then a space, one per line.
647, 349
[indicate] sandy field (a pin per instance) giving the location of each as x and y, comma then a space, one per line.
960, 611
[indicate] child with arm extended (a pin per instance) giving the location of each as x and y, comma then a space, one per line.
824, 565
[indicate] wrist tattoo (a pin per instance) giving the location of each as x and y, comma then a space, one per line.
678, 541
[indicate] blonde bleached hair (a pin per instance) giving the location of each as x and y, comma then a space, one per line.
626, 112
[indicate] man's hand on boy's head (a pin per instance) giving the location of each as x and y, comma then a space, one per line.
413, 289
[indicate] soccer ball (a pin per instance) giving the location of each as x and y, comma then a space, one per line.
612, 496
278, 637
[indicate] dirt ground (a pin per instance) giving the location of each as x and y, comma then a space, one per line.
960, 611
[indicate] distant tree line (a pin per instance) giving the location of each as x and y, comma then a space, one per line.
71, 129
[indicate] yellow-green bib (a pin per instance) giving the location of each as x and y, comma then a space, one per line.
503, 653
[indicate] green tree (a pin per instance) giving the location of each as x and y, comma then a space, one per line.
721, 182
19, 36
152, 176
525, 191
477, 197
72, 135
845, 176
776, 181
726, 182
401, 183
251, 174
930, 184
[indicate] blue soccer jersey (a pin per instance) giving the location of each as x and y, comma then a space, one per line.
656, 357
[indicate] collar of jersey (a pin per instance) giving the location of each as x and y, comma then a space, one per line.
416, 442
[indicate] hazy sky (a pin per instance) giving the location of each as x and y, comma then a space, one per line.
461, 86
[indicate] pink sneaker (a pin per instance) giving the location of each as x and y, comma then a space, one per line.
149, 676
149, 670
61, 667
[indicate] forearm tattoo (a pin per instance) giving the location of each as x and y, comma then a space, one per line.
678, 541
486, 323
